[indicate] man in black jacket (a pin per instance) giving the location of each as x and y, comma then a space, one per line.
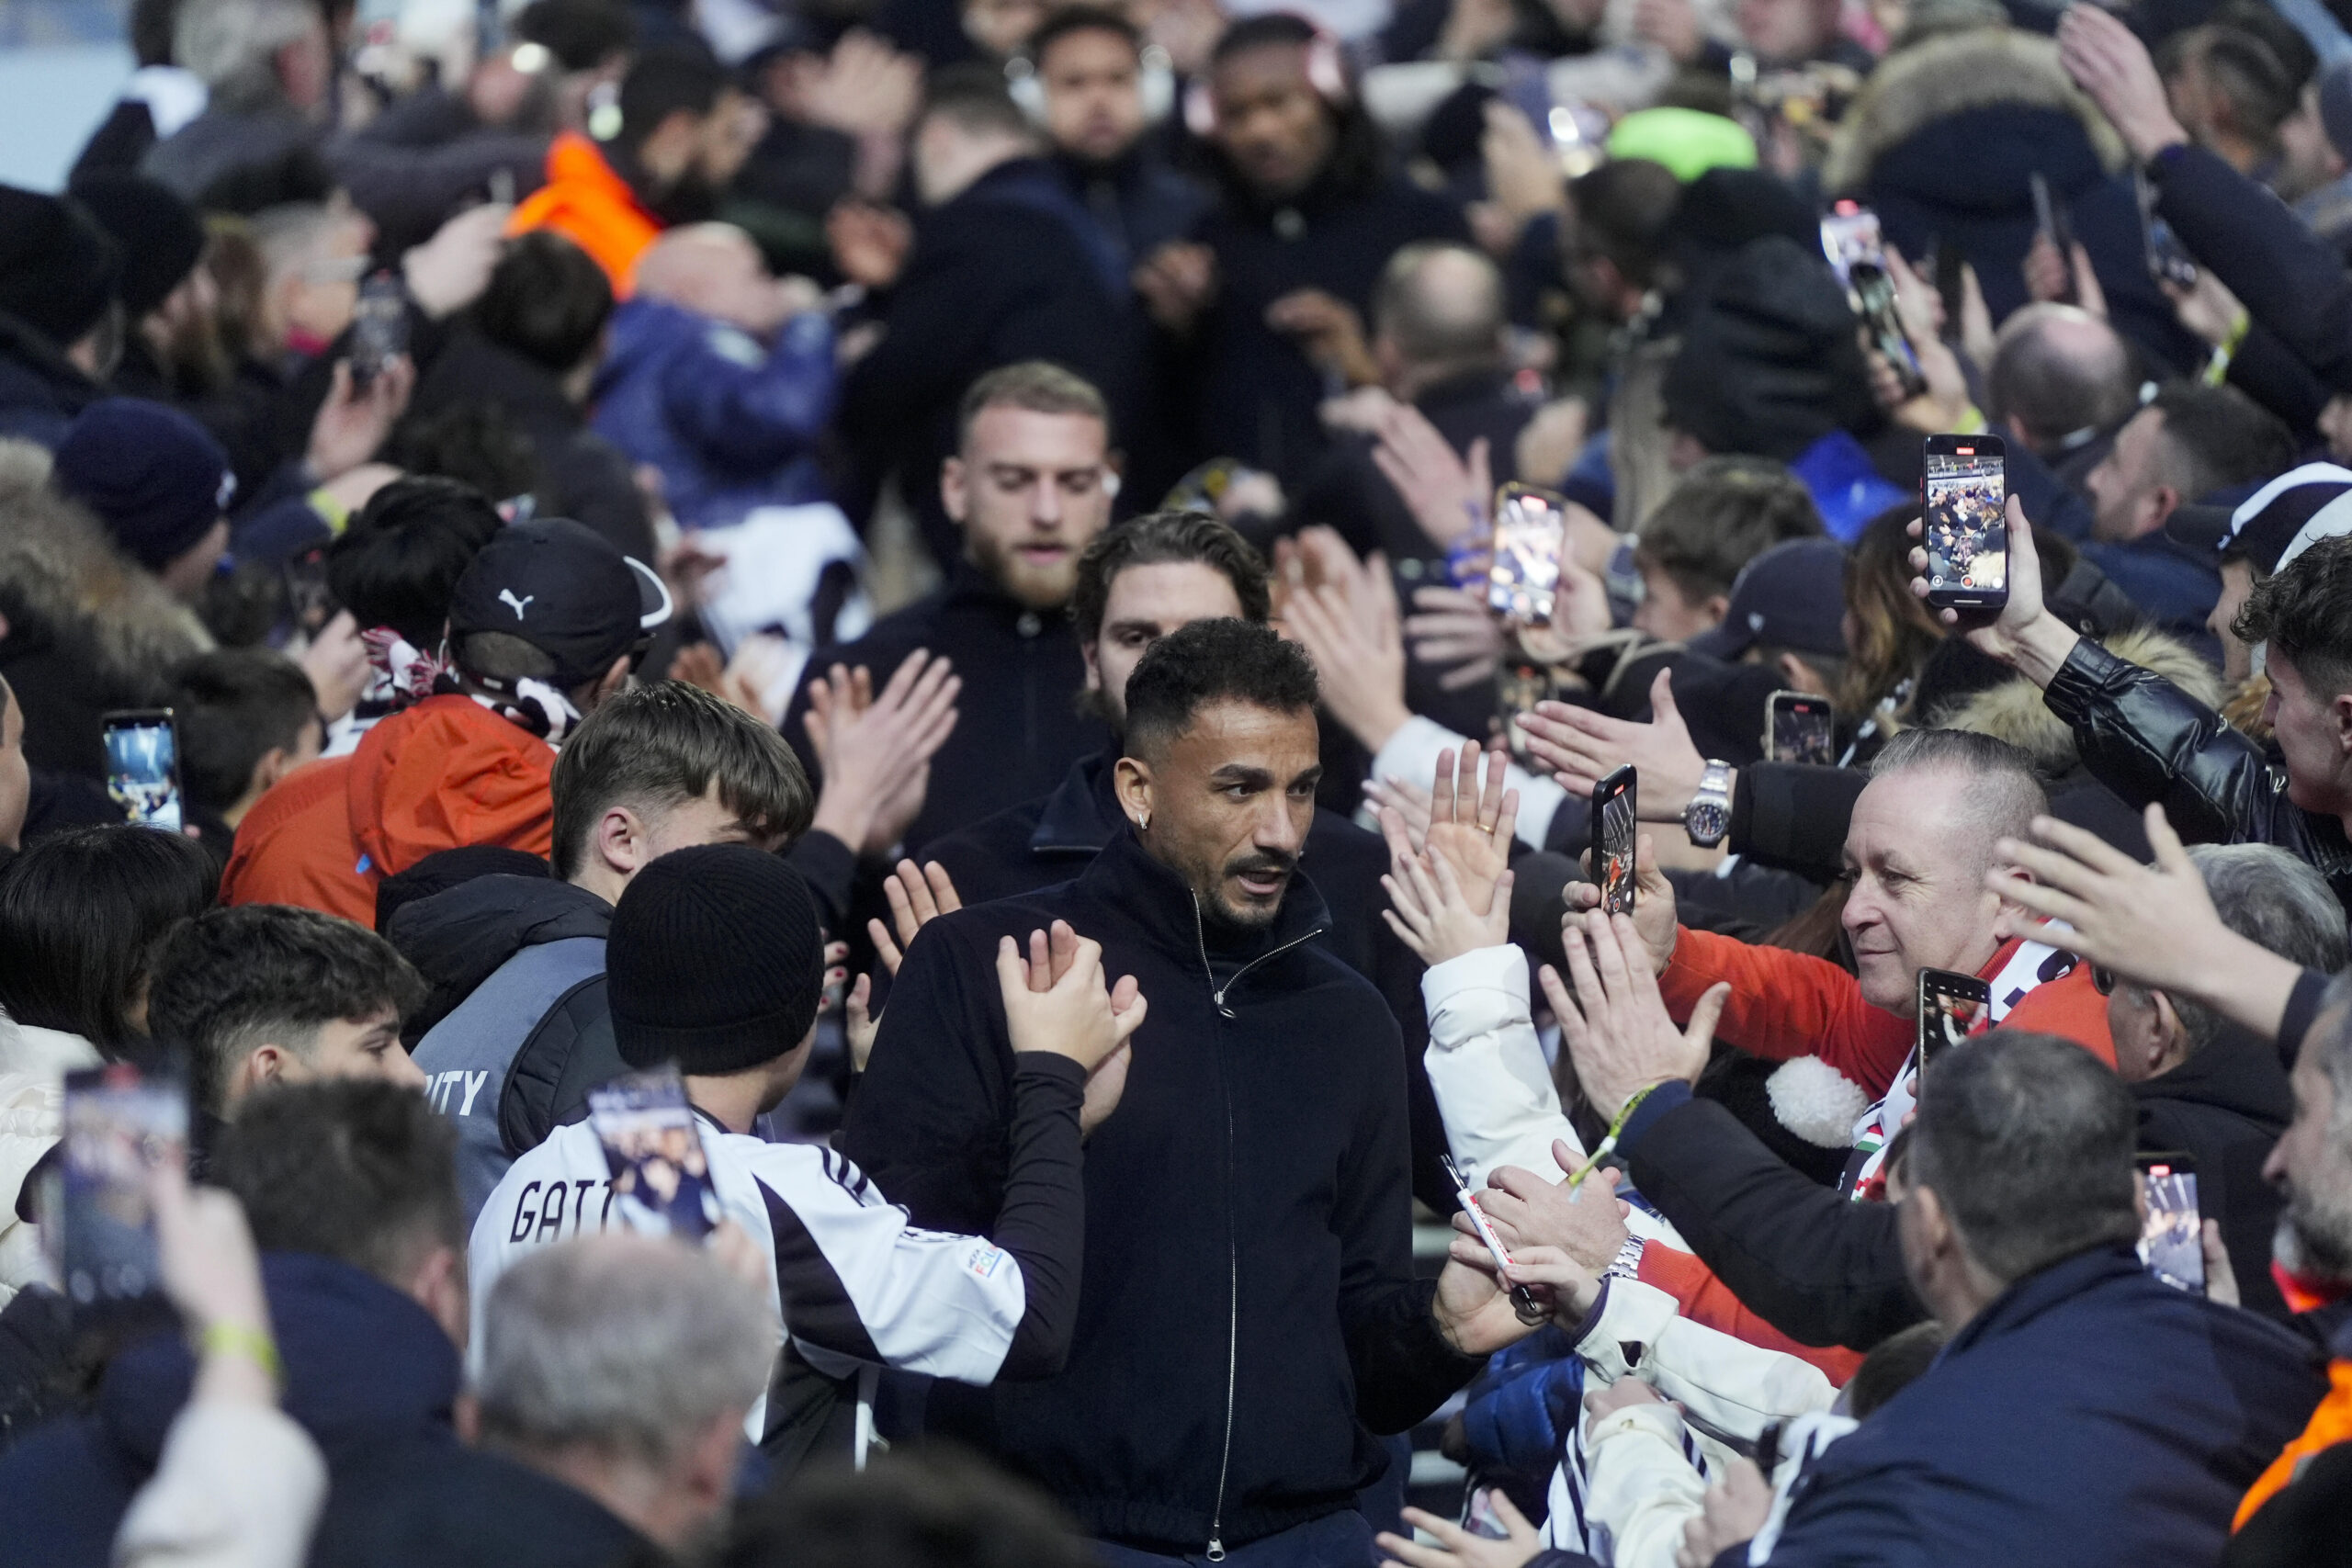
1030, 485
1250, 1307
1137, 583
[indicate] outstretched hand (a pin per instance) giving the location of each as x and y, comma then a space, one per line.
1430, 912
874, 750
1471, 825
1614, 1023
1582, 746
1055, 1001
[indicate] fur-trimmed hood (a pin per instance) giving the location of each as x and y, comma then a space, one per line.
2014, 711
61, 575
1982, 68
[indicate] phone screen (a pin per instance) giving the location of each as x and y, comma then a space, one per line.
143, 767
120, 1126
1530, 526
1803, 729
1966, 530
378, 328
1856, 252
660, 1172
2172, 1239
1951, 1007
1612, 839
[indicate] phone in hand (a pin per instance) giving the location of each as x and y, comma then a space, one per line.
1522, 1300
97, 1221
378, 328
1856, 252
1800, 727
2049, 220
2168, 259
142, 748
661, 1173
1951, 1007
1964, 487
1531, 529
2172, 1237
1518, 688
1614, 824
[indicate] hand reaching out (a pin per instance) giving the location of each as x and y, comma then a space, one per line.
2107, 61
875, 750
1456, 1547
917, 895
1055, 1001
1614, 1024
1355, 637
1452, 630
355, 421
1431, 913
2024, 635
1582, 746
1470, 826
1409, 802
1447, 494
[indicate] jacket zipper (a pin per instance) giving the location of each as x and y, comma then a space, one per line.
1232, 1242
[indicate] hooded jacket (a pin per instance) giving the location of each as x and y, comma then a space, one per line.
1249, 1308
444, 772
732, 424
530, 1033
366, 1369
2150, 1411
586, 200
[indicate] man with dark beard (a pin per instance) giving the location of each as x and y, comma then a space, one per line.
1250, 1318
1089, 76
684, 130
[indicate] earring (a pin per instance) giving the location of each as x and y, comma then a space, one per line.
1143, 822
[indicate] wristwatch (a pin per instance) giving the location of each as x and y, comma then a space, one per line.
1708, 816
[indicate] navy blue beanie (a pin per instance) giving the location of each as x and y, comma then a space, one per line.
156, 479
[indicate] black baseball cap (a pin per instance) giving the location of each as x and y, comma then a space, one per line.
562, 588
2257, 522
1792, 596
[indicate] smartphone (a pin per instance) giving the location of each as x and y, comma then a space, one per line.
1857, 252
661, 1173
1531, 528
1479, 1515
1965, 486
2168, 259
378, 328
309, 603
1951, 284
2172, 1238
2050, 219
1800, 727
1613, 821
1951, 1007
1522, 1300
1518, 688
97, 1224
143, 766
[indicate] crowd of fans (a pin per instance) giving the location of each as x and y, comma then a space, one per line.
913, 587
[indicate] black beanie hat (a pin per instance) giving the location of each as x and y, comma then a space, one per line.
1769, 363
715, 961
160, 235
156, 478
57, 268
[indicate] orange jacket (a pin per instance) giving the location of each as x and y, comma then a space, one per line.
588, 203
2331, 1424
1704, 1299
445, 772
1786, 1004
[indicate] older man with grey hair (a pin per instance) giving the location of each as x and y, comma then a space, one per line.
268, 66
622, 1366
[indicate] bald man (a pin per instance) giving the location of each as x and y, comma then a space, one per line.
2061, 382
1438, 317
720, 375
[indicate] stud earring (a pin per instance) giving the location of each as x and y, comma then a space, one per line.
1143, 822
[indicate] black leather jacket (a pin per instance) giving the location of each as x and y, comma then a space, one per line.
2146, 740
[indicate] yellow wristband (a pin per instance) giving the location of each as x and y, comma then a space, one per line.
1608, 1143
243, 1339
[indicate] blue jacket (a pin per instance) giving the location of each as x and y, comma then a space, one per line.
730, 425
2091, 1416
365, 1367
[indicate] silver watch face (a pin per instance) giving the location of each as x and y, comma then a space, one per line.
1706, 820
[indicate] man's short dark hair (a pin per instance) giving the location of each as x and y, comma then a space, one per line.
681, 77
231, 980
400, 560
919, 1509
2026, 1140
1723, 513
1158, 538
656, 747
1068, 20
2215, 436
1034, 385
80, 913
546, 302
2056, 392
1622, 210
2304, 613
974, 99
1213, 662
232, 707
356, 1169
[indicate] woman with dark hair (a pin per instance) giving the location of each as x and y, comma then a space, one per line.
80, 912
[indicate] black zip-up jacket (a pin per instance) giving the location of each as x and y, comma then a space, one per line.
1248, 1316
1018, 727
2146, 740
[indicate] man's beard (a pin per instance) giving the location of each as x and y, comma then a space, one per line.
1221, 921
2314, 1236
1001, 564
